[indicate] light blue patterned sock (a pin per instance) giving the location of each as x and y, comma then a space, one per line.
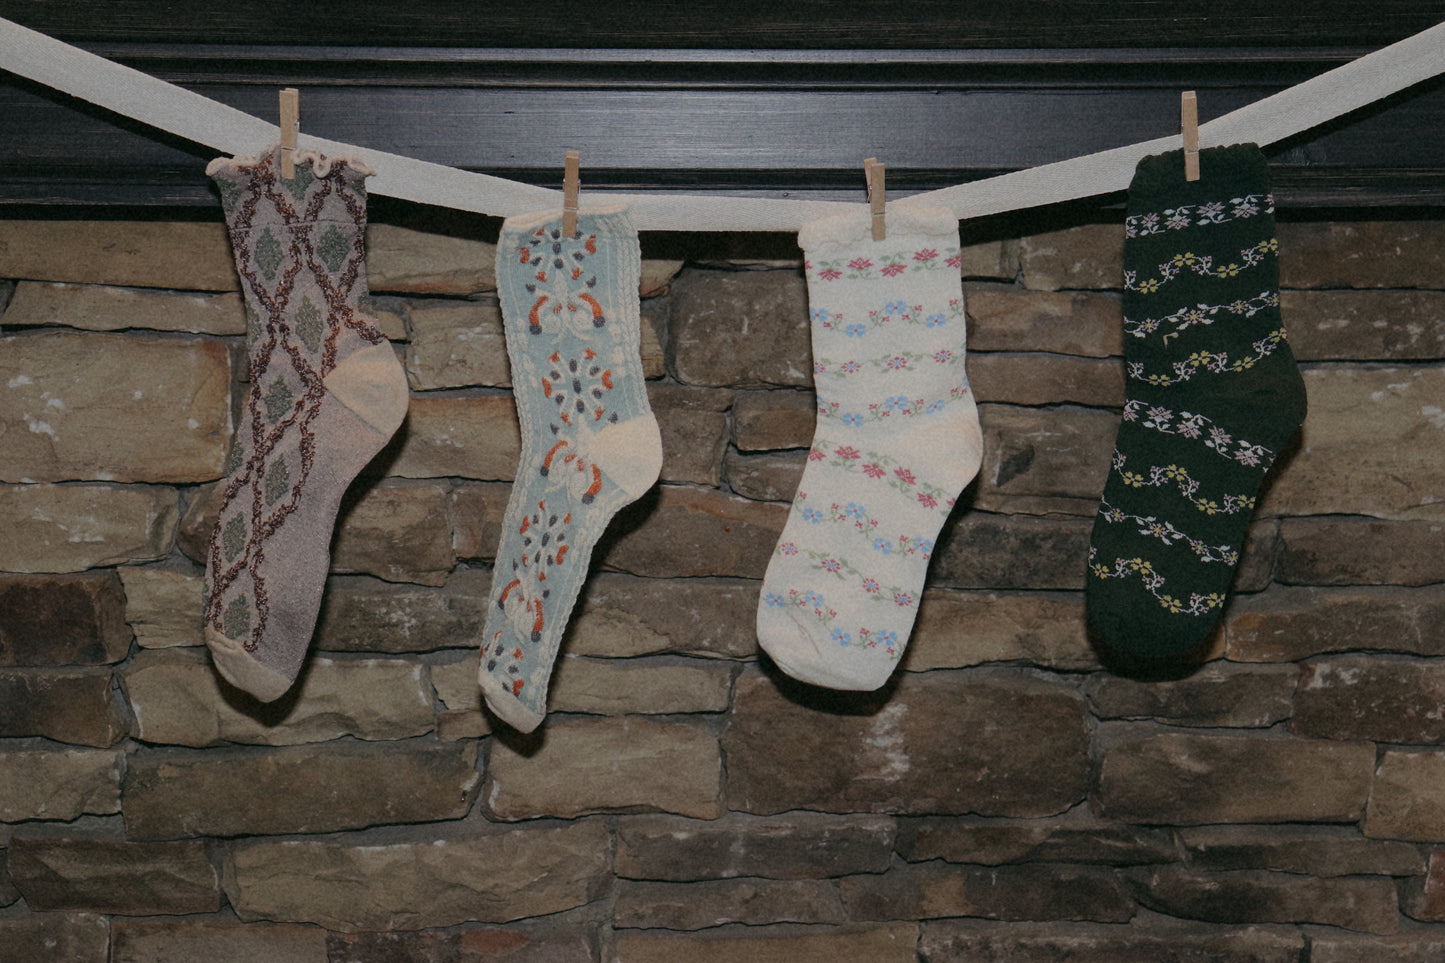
590, 444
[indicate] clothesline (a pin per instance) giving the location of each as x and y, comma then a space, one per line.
189, 115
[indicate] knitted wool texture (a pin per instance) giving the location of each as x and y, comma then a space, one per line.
897, 440
1213, 394
325, 394
590, 444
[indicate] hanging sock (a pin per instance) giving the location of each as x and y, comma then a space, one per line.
1213, 394
897, 440
326, 393
590, 444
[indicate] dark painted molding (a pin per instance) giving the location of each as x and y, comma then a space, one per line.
794, 122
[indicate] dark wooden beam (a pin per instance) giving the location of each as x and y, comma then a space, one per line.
736, 24
795, 122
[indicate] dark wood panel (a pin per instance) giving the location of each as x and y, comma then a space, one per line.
814, 24
764, 123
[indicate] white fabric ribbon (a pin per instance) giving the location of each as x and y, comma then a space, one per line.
165, 106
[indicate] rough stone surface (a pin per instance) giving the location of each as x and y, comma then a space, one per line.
989, 259
745, 330
1364, 325
1323, 851
1027, 892
1334, 946
773, 420
389, 313
164, 607
478, 945
877, 752
680, 532
799, 846
785, 944
462, 435
1005, 317
102, 308
621, 615
47, 938
960, 629
1219, 694
606, 686
397, 531
178, 793
405, 260
627, 764
186, 941
772, 476
693, 423
1369, 445
65, 394
696, 906
58, 784
1035, 462
974, 942
1038, 379
1364, 697
456, 683
1408, 799
8, 893
1072, 838
1087, 257
70, 528
1424, 899
360, 614
67, 705
1184, 779
1256, 896
62, 620
979, 550
1360, 254
478, 510
193, 256
1288, 624
178, 699
643, 686
114, 876
456, 344
1360, 551
492, 877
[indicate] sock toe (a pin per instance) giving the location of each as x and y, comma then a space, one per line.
243, 670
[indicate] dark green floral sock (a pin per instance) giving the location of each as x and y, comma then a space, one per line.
1213, 394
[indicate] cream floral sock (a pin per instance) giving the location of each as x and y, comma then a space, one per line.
897, 440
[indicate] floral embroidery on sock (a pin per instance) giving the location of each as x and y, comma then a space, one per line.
1200, 264
862, 268
1197, 215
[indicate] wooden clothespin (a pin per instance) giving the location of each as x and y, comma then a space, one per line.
873, 173
290, 127
571, 187
1189, 125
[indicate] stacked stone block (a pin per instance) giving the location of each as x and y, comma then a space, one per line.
1012, 794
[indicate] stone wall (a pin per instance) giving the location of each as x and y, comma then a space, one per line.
1006, 797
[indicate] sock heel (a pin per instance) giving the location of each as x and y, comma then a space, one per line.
372, 384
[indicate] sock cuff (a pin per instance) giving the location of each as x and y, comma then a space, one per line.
856, 227
1224, 173
608, 220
